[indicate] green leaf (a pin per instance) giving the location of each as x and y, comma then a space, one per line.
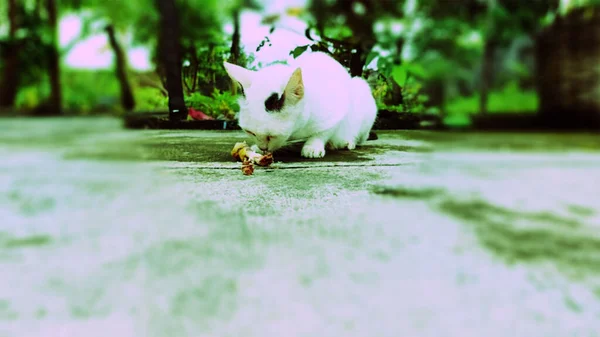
299, 51
383, 66
416, 70
500, 12
372, 55
399, 74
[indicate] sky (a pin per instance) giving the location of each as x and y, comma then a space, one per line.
95, 53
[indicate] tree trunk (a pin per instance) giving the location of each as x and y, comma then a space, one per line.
127, 100
358, 58
362, 29
169, 49
357, 62
568, 71
487, 74
487, 62
235, 41
235, 46
55, 105
10, 78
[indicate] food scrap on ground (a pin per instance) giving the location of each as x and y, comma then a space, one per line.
247, 168
242, 152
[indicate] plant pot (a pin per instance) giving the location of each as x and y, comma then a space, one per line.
161, 121
386, 120
506, 122
393, 120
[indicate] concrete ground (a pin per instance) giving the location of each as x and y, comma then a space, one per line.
113, 232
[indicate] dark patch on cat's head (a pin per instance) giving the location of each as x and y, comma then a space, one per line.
275, 103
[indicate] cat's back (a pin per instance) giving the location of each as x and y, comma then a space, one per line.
326, 88
321, 69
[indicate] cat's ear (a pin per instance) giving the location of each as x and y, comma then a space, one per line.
239, 74
294, 90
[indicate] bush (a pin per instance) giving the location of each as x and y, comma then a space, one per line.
87, 91
83, 92
222, 105
510, 99
150, 99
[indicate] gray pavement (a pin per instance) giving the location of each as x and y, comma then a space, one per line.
113, 232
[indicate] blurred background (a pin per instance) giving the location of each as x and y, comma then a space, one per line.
461, 61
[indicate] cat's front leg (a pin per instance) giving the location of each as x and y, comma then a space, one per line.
314, 147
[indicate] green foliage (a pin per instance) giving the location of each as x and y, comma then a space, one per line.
445, 43
509, 99
30, 97
150, 99
79, 97
220, 105
299, 51
403, 72
82, 98
414, 99
203, 68
200, 18
408, 78
33, 42
89, 92
567, 6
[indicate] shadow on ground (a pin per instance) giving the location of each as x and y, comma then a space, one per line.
185, 148
519, 237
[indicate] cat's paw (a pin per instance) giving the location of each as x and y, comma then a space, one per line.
351, 145
313, 151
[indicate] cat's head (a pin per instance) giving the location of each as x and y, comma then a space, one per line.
271, 102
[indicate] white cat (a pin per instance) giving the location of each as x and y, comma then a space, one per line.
314, 100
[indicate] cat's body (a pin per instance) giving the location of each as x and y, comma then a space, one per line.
312, 100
